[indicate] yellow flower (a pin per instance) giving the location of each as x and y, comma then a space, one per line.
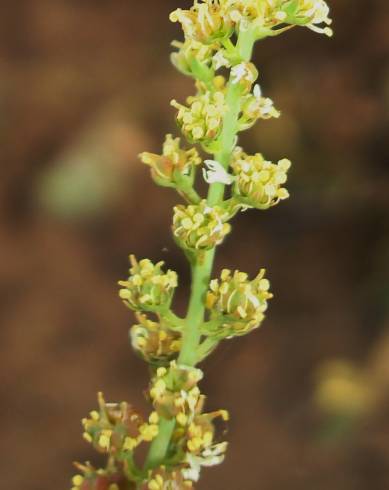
312, 14
258, 182
148, 288
175, 394
153, 341
236, 304
193, 58
204, 22
174, 163
201, 121
200, 227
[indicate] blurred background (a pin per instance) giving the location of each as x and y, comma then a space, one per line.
84, 87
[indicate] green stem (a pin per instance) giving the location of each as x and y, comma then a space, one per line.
160, 444
201, 272
227, 140
173, 321
245, 44
189, 194
206, 347
202, 266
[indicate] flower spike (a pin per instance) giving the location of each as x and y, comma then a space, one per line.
168, 448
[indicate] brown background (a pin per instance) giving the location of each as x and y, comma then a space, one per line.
84, 87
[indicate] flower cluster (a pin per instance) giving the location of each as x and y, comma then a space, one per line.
201, 120
258, 182
200, 227
215, 20
267, 15
237, 305
148, 288
153, 341
174, 165
175, 395
117, 428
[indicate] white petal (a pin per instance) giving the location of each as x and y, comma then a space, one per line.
216, 173
257, 91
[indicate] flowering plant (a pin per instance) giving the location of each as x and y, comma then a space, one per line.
219, 36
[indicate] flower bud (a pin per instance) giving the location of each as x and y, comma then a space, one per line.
236, 303
174, 163
258, 183
155, 343
200, 227
148, 288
